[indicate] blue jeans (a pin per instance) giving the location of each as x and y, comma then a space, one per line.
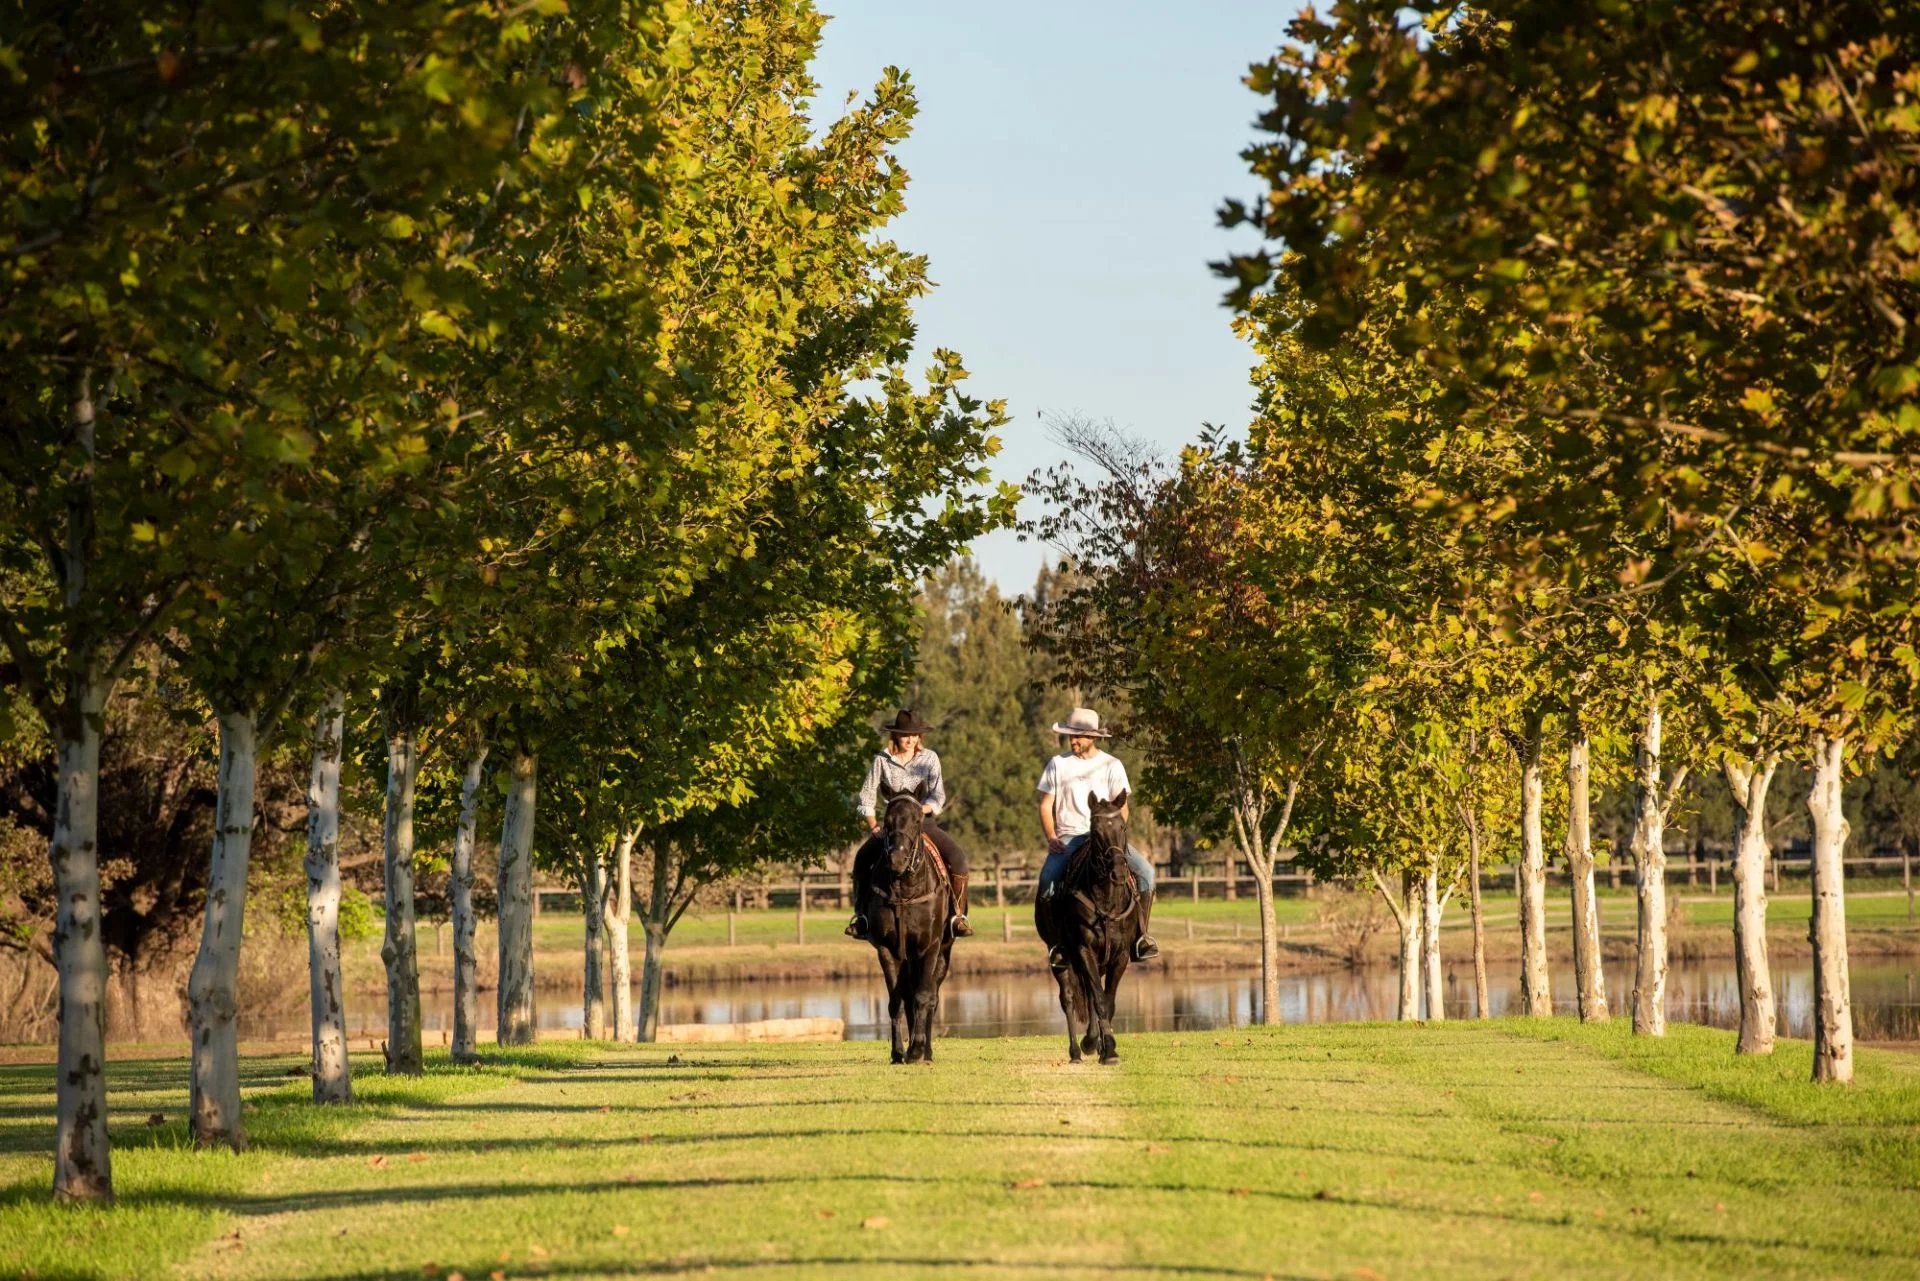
1056, 865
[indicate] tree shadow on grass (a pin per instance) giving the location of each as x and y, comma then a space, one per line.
891, 1264
331, 1201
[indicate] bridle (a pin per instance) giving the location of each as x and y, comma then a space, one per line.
1079, 884
915, 860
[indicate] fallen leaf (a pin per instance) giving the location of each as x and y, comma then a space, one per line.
621, 1229
1536, 1196
376, 1161
456, 1276
1368, 1274
498, 1274
606, 1107
1064, 1121
1157, 1148
537, 1251
1720, 1206
1024, 1185
873, 1223
416, 1157
1242, 1191
1231, 1080
825, 1214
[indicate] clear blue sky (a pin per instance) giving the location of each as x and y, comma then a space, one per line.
1066, 167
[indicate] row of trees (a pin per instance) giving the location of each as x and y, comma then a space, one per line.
523, 385
1584, 444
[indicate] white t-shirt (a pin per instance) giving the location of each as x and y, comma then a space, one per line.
1071, 780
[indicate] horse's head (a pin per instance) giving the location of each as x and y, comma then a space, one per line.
1109, 823
901, 825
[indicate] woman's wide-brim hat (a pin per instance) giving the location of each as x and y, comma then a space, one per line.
1083, 723
905, 723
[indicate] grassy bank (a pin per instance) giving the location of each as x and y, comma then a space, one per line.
1467, 1150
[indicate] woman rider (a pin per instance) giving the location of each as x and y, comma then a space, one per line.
903, 766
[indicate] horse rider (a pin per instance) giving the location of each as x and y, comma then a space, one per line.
1066, 819
904, 765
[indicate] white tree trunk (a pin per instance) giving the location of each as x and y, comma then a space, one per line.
652, 965
1832, 994
466, 961
1650, 856
1269, 940
1536, 988
619, 915
1404, 902
593, 906
214, 1106
1430, 943
1480, 1004
82, 1157
1749, 784
516, 1010
399, 948
1588, 977
332, 1080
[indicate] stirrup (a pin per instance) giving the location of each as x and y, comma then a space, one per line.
961, 929
1056, 960
857, 927
1144, 948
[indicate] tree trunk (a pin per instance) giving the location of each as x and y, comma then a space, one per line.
658, 909
516, 1012
466, 960
1430, 942
1404, 903
1536, 990
1650, 858
619, 914
593, 906
82, 1157
214, 1105
332, 1079
398, 948
1480, 1004
1588, 976
1269, 940
1749, 784
1408, 917
1832, 996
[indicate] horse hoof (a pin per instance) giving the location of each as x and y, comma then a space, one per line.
1089, 1044
1109, 1058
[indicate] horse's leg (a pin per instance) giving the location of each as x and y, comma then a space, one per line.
926, 992
1086, 983
1069, 1006
1109, 1051
896, 1003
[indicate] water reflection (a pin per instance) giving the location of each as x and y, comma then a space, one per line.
1885, 1006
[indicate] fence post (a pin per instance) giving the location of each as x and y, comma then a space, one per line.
1006, 927
1713, 876
1906, 880
800, 916
1193, 881
731, 937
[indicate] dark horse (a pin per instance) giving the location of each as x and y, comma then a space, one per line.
1091, 917
909, 909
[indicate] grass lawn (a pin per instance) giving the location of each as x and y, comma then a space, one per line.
1470, 1150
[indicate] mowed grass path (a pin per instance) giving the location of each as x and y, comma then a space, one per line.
1469, 1150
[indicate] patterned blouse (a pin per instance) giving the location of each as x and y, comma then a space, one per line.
922, 767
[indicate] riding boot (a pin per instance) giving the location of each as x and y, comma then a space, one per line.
1144, 948
961, 929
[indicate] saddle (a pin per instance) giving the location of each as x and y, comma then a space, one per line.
933, 852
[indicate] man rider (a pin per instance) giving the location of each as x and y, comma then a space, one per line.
903, 766
1066, 819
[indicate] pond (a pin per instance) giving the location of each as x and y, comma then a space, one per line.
1886, 1001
